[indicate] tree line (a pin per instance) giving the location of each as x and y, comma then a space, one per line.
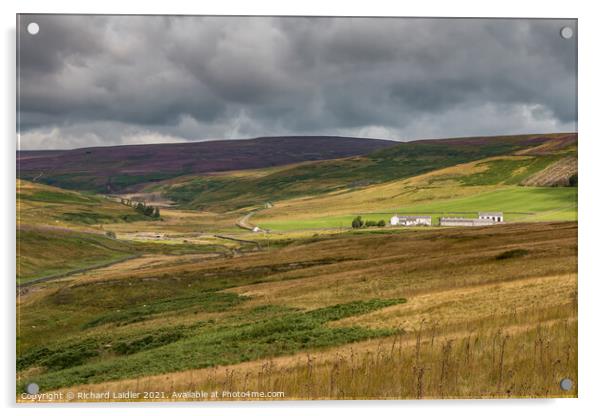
142, 208
358, 222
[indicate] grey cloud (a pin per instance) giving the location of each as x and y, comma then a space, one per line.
94, 80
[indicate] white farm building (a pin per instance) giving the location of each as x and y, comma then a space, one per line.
410, 220
495, 216
485, 218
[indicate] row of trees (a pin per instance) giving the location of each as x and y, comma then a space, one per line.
148, 210
142, 208
358, 222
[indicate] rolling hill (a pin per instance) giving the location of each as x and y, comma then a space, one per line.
519, 204
116, 168
61, 231
49, 205
234, 190
58, 231
497, 183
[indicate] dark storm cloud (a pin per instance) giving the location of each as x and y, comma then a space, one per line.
99, 80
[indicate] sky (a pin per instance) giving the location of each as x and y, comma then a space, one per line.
110, 80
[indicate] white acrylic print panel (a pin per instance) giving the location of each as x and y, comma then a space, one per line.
231, 208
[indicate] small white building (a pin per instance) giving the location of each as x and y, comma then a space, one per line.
411, 220
256, 229
495, 216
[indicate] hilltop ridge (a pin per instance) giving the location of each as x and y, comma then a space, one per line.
115, 168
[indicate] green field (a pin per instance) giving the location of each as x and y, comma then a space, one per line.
518, 204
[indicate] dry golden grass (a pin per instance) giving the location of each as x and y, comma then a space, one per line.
408, 264
460, 305
178, 221
137, 266
473, 325
519, 360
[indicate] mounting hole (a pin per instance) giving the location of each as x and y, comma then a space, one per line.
33, 28
32, 388
566, 32
566, 384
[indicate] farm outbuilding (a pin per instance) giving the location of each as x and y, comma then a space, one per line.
495, 216
464, 222
410, 220
485, 218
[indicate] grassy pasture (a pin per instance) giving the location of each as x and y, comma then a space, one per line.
489, 184
518, 204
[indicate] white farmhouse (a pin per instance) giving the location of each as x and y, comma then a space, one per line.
495, 216
410, 220
256, 229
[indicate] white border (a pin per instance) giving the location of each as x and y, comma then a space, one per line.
590, 154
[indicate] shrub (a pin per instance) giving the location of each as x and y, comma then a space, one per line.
519, 252
147, 342
357, 222
148, 210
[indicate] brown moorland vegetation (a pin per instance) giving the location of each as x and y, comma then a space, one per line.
489, 312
